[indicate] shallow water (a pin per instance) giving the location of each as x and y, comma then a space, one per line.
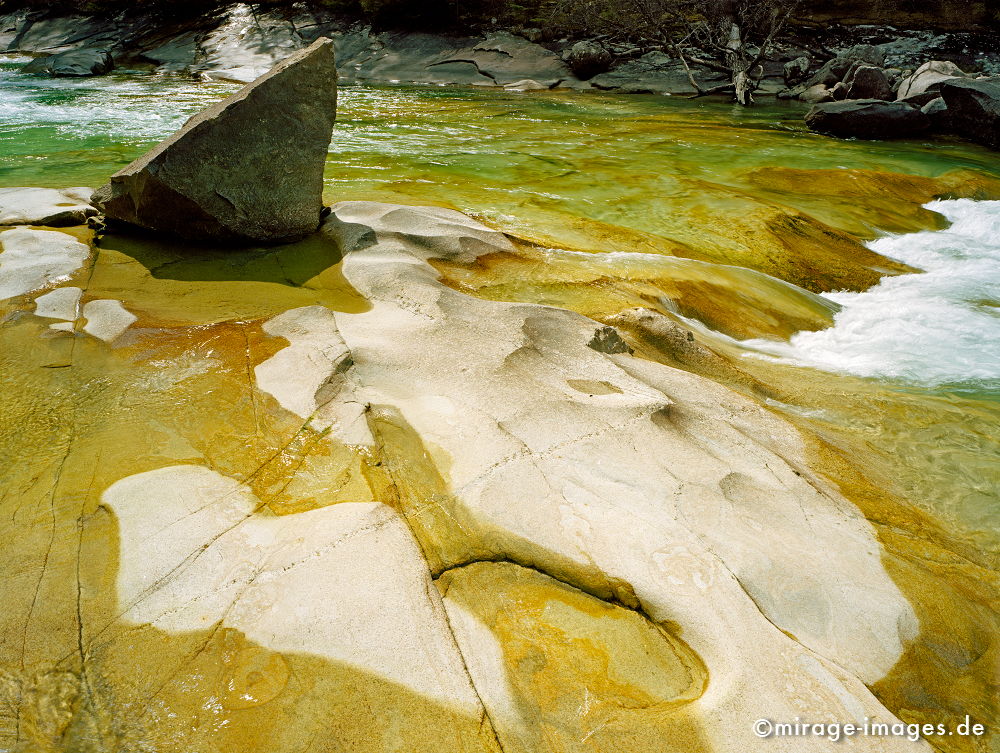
668, 184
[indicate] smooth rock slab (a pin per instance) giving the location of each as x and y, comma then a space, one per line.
866, 119
45, 206
31, 259
248, 169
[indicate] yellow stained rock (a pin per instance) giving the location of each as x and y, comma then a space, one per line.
578, 673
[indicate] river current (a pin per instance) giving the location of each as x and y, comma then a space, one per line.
909, 368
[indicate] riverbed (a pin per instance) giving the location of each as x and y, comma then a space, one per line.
852, 288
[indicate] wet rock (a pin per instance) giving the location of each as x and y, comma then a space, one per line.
45, 206
587, 58
247, 169
866, 119
654, 73
84, 62
816, 94
928, 77
63, 33
173, 55
796, 70
31, 259
243, 47
839, 91
974, 109
869, 82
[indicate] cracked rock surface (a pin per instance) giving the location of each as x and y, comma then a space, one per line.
299, 503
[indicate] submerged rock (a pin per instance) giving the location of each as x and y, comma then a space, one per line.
249, 168
45, 206
974, 109
866, 119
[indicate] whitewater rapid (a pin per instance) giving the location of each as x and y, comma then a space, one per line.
939, 326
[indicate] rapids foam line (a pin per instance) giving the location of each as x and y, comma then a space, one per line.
940, 326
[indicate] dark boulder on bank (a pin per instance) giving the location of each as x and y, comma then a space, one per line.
586, 59
974, 109
866, 119
248, 169
869, 82
82, 62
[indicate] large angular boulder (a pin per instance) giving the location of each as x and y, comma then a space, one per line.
974, 109
249, 168
866, 119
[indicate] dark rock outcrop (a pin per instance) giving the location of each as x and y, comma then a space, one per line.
82, 62
974, 109
866, 119
249, 168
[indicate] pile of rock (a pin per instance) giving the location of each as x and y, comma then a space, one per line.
855, 96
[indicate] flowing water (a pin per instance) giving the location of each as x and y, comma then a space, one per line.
736, 222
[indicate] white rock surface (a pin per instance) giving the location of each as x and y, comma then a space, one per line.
45, 206
107, 319
696, 497
345, 582
928, 76
245, 47
32, 259
61, 303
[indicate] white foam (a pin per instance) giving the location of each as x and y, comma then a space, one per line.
941, 326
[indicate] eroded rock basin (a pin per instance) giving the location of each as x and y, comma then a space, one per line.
417, 485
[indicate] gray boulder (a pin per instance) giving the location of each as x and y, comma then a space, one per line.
865, 53
586, 59
928, 78
866, 119
249, 168
796, 70
974, 109
869, 82
82, 62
